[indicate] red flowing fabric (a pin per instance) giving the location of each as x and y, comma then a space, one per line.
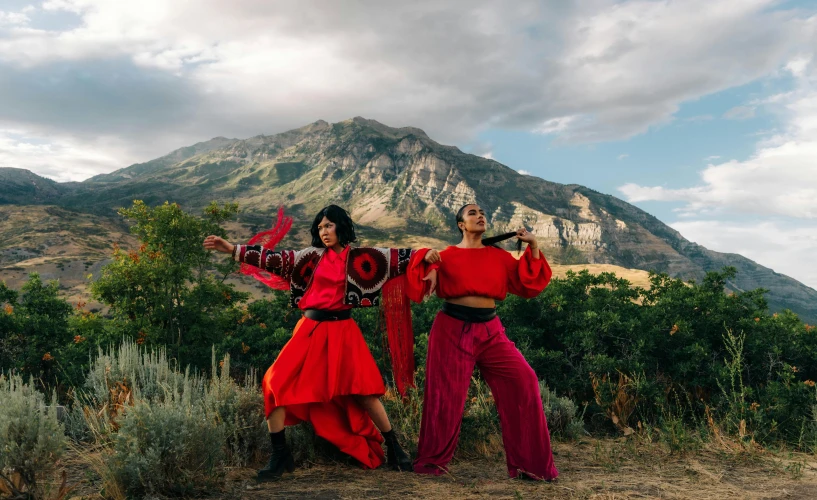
396, 310
268, 239
314, 377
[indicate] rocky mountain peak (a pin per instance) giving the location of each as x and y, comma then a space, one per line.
404, 188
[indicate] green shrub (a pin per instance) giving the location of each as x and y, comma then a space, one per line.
239, 410
170, 447
76, 424
168, 431
303, 442
147, 374
480, 432
31, 439
561, 414
33, 329
584, 335
675, 432
405, 415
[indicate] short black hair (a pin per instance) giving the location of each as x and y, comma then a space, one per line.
344, 227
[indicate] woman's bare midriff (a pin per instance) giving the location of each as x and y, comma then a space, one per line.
471, 301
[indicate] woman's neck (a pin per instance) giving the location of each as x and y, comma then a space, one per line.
471, 240
337, 247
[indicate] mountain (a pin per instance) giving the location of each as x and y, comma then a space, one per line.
18, 186
402, 187
143, 169
58, 243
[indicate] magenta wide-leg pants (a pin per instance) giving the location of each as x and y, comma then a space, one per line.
454, 347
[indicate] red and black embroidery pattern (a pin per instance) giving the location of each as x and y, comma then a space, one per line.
367, 269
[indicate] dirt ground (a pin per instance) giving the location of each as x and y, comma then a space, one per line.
592, 469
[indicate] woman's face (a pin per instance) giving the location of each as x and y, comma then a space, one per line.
473, 220
327, 233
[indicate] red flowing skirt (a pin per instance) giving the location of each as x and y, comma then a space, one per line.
314, 377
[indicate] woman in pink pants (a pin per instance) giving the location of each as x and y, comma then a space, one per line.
471, 277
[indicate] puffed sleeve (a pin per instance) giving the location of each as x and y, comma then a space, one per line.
418, 268
527, 277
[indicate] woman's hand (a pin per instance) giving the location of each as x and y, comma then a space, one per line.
526, 236
432, 256
218, 244
431, 277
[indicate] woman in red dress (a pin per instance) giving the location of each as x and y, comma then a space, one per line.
325, 374
471, 276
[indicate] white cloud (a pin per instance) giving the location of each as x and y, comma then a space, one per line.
623, 156
779, 179
798, 65
713, 157
555, 125
61, 158
524, 172
484, 149
775, 244
13, 18
740, 113
592, 70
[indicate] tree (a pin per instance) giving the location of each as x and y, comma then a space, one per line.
33, 328
165, 292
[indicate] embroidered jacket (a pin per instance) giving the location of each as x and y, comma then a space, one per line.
367, 269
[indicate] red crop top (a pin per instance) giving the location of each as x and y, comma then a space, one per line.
490, 272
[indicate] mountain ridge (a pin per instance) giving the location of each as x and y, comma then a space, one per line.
401, 185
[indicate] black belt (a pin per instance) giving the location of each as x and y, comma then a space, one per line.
469, 314
323, 315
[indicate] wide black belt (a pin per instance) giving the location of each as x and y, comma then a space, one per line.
324, 315
469, 314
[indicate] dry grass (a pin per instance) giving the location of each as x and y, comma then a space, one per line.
592, 469
636, 277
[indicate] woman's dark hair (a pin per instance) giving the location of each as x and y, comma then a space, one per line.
459, 215
344, 227
493, 240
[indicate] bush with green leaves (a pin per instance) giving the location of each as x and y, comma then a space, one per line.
239, 411
169, 447
146, 373
170, 431
260, 332
670, 337
583, 335
31, 438
34, 328
561, 414
165, 292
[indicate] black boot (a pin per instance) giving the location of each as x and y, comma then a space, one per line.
396, 458
280, 461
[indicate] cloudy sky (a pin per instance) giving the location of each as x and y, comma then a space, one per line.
703, 113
